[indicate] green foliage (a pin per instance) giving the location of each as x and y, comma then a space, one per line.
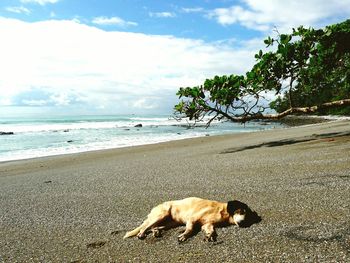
308, 67
326, 75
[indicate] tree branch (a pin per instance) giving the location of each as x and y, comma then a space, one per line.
303, 110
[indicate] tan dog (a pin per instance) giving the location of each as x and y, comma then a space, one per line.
194, 211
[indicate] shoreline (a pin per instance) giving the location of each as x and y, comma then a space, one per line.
301, 120
116, 148
171, 143
76, 208
288, 122
54, 156
73, 137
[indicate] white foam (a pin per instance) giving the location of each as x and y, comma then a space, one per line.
35, 127
47, 139
54, 127
117, 142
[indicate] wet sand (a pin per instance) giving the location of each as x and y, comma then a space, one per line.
76, 208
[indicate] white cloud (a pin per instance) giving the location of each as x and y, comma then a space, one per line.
68, 63
193, 10
264, 15
6, 102
40, 2
162, 14
146, 103
18, 10
61, 99
109, 21
34, 102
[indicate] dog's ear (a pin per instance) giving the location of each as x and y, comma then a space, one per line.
232, 206
251, 219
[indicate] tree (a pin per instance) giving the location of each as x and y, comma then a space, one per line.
309, 72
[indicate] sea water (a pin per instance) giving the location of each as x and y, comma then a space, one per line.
45, 136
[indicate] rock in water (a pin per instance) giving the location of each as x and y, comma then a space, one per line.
6, 133
138, 125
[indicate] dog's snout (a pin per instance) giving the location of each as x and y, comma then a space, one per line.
238, 218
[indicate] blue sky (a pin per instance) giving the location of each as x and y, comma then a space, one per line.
110, 57
180, 18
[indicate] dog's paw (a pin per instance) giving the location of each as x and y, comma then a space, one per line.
182, 238
156, 233
141, 235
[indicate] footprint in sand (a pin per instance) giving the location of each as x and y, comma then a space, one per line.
96, 244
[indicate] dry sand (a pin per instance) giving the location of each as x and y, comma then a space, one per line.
76, 208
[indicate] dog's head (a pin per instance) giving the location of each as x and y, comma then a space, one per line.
242, 215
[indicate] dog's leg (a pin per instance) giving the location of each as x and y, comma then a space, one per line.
152, 220
187, 233
156, 231
146, 226
142, 230
210, 234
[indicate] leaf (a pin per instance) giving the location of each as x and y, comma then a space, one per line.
285, 38
328, 32
268, 41
317, 60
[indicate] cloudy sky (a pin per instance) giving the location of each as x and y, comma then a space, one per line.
120, 57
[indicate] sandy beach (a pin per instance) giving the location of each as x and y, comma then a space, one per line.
76, 208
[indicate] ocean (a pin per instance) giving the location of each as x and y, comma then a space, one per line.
46, 136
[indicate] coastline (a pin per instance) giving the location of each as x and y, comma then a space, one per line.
32, 138
76, 207
293, 122
71, 142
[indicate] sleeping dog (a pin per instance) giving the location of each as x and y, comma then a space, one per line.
194, 211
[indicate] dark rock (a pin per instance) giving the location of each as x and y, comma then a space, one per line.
138, 125
69, 141
66, 130
6, 133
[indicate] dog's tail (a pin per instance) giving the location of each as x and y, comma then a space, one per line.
132, 232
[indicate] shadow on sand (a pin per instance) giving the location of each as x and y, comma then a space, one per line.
314, 137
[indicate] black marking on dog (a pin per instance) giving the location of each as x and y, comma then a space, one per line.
234, 205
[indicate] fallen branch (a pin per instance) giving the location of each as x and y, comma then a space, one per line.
277, 116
